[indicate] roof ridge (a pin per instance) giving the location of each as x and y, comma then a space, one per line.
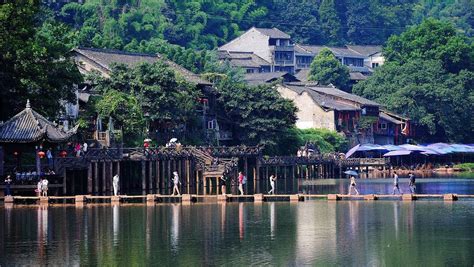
116, 51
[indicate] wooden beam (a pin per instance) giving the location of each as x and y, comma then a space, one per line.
157, 177
96, 176
150, 177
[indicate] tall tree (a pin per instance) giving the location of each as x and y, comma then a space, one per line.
436, 100
163, 97
435, 40
34, 60
330, 22
327, 69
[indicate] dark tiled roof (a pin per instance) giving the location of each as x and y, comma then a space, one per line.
107, 57
322, 100
29, 126
302, 75
266, 77
273, 33
243, 59
366, 50
357, 76
337, 51
333, 92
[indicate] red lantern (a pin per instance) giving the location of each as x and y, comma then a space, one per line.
63, 154
41, 154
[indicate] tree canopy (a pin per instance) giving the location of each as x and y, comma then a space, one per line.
428, 77
152, 92
34, 60
327, 69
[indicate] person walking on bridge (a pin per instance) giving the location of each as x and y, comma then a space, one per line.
395, 184
272, 184
176, 182
241, 183
411, 182
115, 184
352, 185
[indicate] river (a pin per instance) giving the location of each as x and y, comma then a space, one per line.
343, 233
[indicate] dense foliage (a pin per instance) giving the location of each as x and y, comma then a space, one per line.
326, 140
258, 114
428, 77
177, 28
33, 60
327, 69
151, 93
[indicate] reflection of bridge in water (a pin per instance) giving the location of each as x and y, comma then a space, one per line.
149, 171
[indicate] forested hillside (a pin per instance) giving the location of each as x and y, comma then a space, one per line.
172, 26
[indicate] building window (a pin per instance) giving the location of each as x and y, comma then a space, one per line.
250, 70
375, 65
383, 126
357, 62
211, 124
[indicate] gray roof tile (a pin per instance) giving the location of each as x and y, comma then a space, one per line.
273, 33
28, 126
107, 57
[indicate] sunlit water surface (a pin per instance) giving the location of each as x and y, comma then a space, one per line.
343, 233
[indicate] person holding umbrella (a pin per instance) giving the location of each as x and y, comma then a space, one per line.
352, 185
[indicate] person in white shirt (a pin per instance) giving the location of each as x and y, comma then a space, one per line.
272, 184
115, 184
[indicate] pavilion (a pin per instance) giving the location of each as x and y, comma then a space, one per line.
27, 132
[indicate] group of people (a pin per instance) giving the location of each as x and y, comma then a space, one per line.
42, 187
396, 187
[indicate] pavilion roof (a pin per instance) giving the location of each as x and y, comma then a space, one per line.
29, 126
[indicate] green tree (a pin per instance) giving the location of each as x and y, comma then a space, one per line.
327, 69
436, 100
34, 60
432, 40
163, 96
330, 22
257, 114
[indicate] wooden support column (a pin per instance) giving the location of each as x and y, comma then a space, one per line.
104, 177
188, 172
109, 178
150, 177
169, 174
96, 177
143, 163
64, 182
89, 178
197, 182
157, 177
163, 176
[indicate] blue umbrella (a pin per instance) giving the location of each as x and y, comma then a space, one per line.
354, 173
352, 151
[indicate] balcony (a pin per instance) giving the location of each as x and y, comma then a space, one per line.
284, 48
283, 62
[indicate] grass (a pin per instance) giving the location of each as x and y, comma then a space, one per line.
466, 167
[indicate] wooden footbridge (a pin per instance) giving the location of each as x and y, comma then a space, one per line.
152, 199
149, 171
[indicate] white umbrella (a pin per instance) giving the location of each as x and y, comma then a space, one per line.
172, 140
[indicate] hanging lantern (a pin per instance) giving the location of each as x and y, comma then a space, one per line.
41, 154
15, 153
63, 154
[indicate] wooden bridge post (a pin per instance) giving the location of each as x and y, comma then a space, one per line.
103, 177
89, 178
109, 178
188, 172
143, 176
163, 176
150, 176
246, 169
157, 171
96, 176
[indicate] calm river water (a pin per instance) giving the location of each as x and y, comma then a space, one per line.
344, 233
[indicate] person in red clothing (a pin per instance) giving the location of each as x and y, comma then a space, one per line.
241, 183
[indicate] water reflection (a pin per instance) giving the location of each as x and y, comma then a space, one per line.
361, 233
115, 222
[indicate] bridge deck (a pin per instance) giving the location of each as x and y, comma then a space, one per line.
151, 199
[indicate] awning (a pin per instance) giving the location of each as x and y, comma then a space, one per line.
397, 153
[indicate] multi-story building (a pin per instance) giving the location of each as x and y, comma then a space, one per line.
271, 50
272, 45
